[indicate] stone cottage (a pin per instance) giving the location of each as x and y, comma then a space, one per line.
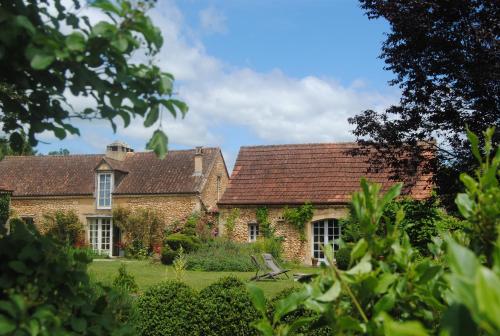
186, 181
324, 175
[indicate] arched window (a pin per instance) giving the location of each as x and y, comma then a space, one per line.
325, 231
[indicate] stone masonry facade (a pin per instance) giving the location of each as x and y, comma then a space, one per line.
293, 248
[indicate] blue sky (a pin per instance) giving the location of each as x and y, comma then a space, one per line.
258, 72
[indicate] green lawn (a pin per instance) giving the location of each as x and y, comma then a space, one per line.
147, 273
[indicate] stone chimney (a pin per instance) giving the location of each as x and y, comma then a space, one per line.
198, 161
118, 150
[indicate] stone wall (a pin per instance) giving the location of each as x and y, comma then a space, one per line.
210, 195
293, 248
169, 207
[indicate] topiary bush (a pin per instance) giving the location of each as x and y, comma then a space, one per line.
166, 309
343, 257
225, 308
188, 243
167, 255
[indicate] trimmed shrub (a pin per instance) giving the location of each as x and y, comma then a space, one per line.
343, 257
167, 255
188, 243
308, 329
125, 281
225, 308
221, 255
168, 309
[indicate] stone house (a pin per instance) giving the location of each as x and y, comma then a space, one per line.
186, 181
324, 175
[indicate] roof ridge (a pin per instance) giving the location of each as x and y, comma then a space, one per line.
303, 144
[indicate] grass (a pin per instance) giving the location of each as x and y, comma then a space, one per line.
147, 273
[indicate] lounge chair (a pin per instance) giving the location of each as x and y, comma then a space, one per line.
260, 268
273, 266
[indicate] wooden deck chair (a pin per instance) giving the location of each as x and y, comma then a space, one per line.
260, 268
273, 266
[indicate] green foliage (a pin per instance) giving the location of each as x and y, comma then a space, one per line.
221, 255
480, 204
179, 265
231, 222
84, 60
45, 291
299, 217
125, 281
177, 240
63, 226
272, 245
265, 227
312, 329
61, 151
168, 309
392, 290
141, 227
23, 148
225, 309
167, 255
4, 210
136, 250
343, 257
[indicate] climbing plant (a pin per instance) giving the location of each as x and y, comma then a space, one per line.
262, 216
299, 217
231, 222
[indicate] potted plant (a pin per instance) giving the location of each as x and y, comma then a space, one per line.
314, 261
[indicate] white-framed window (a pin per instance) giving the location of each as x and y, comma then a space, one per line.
325, 232
104, 189
253, 232
101, 235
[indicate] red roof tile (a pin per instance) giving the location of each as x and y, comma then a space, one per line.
317, 173
68, 175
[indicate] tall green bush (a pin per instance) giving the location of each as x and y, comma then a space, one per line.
63, 226
125, 281
4, 210
168, 309
142, 226
44, 290
225, 309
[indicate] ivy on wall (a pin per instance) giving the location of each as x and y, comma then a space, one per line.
231, 222
262, 216
299, 217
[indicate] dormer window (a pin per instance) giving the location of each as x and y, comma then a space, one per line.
104, 189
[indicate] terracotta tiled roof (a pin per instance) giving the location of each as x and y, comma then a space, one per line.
294, 174
143, 172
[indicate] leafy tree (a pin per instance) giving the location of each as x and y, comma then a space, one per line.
50, 53
61, 151
24, 149
445, 55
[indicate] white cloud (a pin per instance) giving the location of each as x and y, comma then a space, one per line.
212, 21
273, 106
